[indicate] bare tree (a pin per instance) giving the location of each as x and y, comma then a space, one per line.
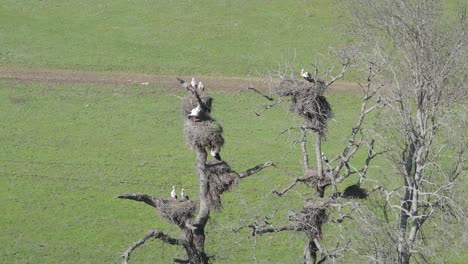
307, 100
423, 48
215, 177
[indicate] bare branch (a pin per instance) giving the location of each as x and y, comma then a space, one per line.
151, 234
275, 229
346, 65
311, 175
255, 169
140, 197
260, 93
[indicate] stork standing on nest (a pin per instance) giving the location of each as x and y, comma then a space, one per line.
173, 193
195, 112
307, 76
215, 153
200, 86
193, 83
184, 195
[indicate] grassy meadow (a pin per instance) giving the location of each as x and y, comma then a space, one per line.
207, 37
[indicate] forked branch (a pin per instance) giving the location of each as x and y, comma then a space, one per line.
156, 234
313, 174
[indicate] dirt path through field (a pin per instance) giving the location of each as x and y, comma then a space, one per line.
131, 79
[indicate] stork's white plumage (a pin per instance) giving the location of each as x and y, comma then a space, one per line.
173, 193
215, 153
193, 83
324, 158
201, 87
183, 194
307, 76
195, 112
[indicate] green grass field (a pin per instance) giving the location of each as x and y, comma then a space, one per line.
165, 37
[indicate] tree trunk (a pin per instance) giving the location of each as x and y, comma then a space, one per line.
196, 237
310, 252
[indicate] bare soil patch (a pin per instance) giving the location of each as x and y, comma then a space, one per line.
217, 83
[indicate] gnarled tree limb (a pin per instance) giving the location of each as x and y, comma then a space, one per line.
255, 169
140, 197
151, 234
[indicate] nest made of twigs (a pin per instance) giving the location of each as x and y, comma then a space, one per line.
205, 133
220, 179
308, 102
190, 102
313, 178
310, 219
176, 211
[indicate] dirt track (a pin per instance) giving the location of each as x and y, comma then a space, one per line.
132, 79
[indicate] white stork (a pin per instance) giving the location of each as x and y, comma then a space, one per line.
215, 153
193, 83
173, 193
307, 76
195, 112
200, 86
183, 194
324, 158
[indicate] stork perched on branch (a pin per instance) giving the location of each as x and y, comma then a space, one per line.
324, 158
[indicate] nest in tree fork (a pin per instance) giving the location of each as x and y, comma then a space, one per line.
311, 218
312, 176
190, 102
220, 179
176, 211
308, 102
204, 133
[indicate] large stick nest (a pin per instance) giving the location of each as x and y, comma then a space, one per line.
308, 102
205, 133
190, 102
176, 211
312, 176
311, 218
220, 179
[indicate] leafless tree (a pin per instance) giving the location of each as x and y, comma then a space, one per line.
307, 100
422, 46
215, 177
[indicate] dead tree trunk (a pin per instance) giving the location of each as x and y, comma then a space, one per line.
308, 102
214, 178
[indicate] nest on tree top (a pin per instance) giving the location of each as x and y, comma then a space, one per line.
190, 102
220, 179
176, 211
205, 133
308, 102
